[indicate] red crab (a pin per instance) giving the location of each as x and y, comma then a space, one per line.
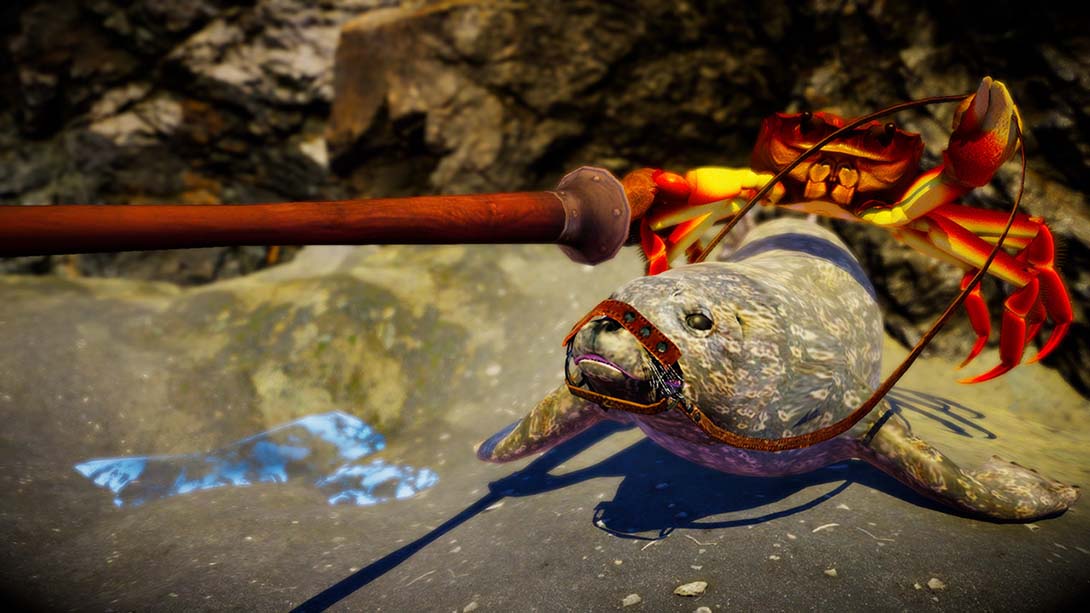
873, 175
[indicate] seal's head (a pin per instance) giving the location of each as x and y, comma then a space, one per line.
706, 329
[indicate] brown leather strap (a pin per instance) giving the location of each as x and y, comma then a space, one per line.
773, 444
620, 404
664, 351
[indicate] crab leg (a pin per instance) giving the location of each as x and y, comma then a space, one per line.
989, 224
966, 246
1012, 334
654, 248
1031, 271
692, 204
1040, 254
979, 317
1034, 239
975, 306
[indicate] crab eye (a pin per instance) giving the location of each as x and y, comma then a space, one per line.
698, 321
887, 133
806, 121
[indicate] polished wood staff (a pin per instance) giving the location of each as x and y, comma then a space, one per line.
588, 215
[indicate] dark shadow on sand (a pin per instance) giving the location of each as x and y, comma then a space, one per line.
952, 415
661, 492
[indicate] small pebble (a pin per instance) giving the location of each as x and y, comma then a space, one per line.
1032, 527
935, 584
695, 588
470, 607
773, 557
917, 586
618, 562
702, 610
630, 600
831, 572
695, 567
843, 506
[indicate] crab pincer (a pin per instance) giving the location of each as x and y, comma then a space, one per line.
984, 135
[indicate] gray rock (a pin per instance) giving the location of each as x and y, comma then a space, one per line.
695, 588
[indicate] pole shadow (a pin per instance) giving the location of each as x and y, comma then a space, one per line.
661, 492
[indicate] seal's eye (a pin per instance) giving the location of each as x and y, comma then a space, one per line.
698, 321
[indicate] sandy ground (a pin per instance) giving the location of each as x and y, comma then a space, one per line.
581, 528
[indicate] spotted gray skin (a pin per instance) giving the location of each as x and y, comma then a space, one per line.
794, 345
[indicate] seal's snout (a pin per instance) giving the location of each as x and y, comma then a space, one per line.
606, 338
607, 325
610, 359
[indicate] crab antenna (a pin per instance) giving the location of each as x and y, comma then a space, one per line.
855, 123
862, 410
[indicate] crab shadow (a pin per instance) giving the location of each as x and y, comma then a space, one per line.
660, 492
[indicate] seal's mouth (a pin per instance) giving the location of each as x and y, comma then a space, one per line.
607, 377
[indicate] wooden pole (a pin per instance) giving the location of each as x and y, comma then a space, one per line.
588, 214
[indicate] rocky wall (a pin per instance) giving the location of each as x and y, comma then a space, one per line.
207, 101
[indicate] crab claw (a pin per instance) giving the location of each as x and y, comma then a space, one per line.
984, 135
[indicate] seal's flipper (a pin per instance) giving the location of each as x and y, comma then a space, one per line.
997, 490
558, 417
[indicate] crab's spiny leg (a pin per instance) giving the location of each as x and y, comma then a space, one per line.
919, 241
962, 244
988, 222
1034, 319
1016, 243
686, 234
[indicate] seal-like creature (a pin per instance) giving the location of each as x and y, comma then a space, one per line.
779, 340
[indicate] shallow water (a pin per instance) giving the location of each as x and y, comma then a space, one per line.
326, 449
